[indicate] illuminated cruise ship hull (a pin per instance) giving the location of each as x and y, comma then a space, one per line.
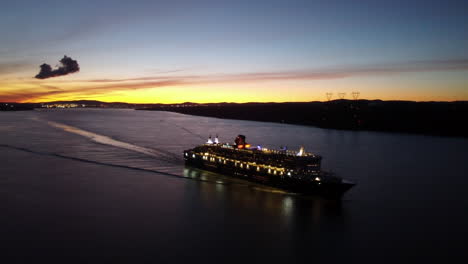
317, 183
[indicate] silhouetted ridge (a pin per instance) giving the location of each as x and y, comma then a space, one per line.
435, 118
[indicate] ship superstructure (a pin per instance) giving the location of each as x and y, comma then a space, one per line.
296, 171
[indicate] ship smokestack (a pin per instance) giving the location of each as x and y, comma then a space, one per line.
240, 140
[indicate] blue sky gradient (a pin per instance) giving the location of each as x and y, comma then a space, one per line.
111, 39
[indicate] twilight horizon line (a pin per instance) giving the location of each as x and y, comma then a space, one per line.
150, 82
215, 51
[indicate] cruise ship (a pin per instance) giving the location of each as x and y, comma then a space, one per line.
292, 171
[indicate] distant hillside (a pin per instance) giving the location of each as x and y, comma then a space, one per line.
91, 103
434, 118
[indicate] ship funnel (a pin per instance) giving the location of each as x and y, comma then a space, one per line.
216, 140
240, 140
301, 151
209, 140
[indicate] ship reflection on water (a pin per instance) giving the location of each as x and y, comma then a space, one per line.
293, 210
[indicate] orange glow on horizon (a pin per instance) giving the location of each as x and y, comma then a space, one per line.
170, 91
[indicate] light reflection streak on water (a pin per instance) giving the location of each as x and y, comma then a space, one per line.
287, 205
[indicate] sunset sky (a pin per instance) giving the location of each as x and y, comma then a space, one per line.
235, 51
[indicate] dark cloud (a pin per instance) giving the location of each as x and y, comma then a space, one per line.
68, 65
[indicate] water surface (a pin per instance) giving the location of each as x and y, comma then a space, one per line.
99, 185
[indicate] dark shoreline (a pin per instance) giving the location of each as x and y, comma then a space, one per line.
427, 118
16, 107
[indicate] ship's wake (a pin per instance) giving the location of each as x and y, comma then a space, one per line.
188, 173
105, 140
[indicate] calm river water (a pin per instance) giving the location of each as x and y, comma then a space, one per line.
109, 186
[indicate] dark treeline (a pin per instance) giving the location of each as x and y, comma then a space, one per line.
432, 118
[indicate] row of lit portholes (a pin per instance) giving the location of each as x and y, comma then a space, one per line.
241, 165
247, 166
